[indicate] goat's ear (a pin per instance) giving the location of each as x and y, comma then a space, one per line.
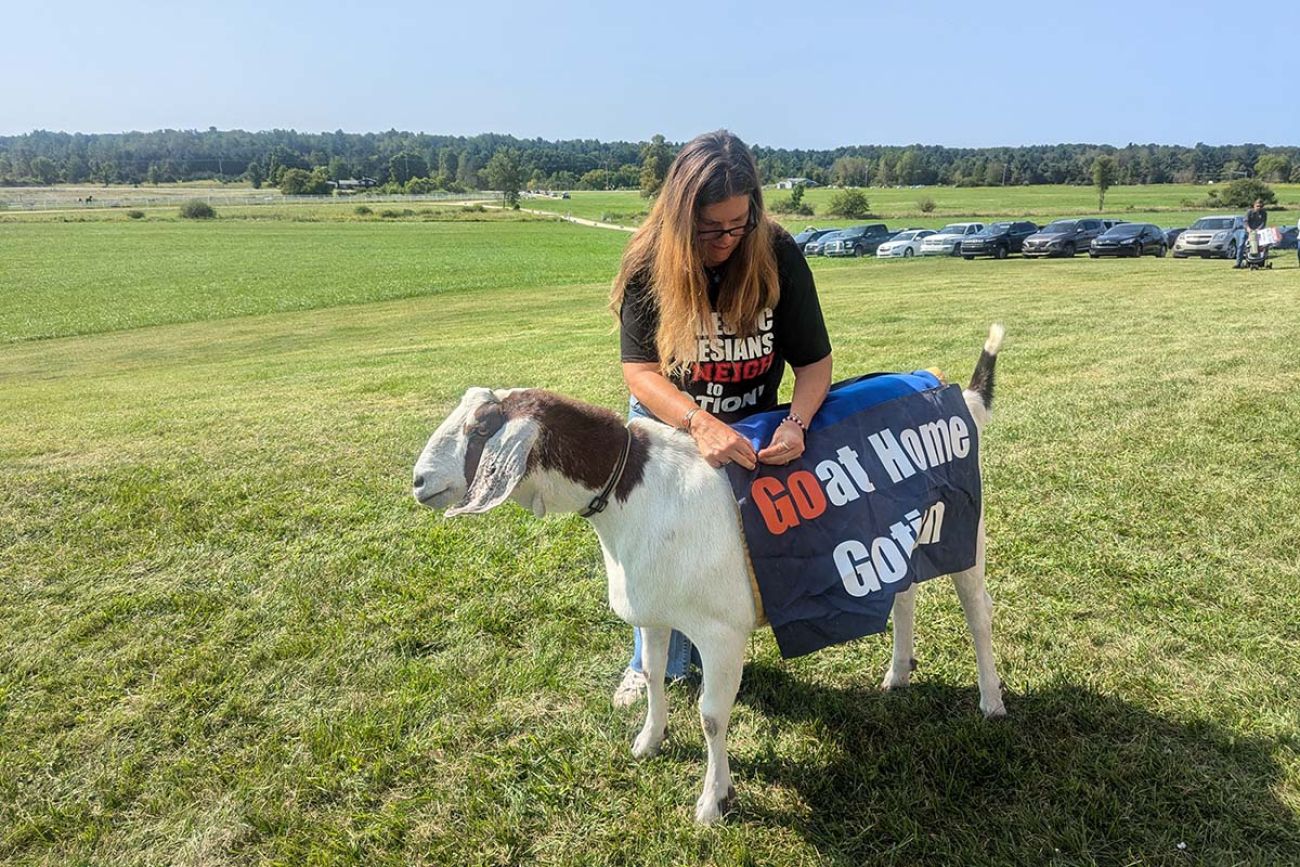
503, 464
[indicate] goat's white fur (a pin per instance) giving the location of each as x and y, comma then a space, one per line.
675, 559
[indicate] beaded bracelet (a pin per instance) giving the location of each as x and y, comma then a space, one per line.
794, 417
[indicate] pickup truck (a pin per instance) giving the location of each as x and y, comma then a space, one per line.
998, 240
858, 240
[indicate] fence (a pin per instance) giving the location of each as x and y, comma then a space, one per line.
78, 199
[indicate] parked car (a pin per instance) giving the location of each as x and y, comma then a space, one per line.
816, 247
1171, 236
905, 244
1216, 236
858, 240
1130, 239
998, 240
807, 235
1063, 237
1289, 238
947, 241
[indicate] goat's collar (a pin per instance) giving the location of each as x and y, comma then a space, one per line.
601, 500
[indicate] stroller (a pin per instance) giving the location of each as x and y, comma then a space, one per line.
1257, 252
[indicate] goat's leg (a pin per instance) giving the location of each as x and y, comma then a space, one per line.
723, 658
978, 606
904, 660
654, 663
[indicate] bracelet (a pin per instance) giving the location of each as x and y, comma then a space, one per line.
794, 417
688, 418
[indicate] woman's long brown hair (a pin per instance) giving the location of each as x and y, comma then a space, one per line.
667, 256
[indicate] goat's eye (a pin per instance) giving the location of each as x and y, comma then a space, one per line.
481, 430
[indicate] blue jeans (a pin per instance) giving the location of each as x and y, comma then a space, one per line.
682, 655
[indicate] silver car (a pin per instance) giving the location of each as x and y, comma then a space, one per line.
1212, 237
947, 241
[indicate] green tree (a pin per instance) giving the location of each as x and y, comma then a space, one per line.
406, 165
1243, 192
448, 162
300, 182
849, 203
908, 168
884, 173
1104, 171
339, 169
505, 173
597, 179
255, 175
656, 157
850, 172
1272, 167
45, 170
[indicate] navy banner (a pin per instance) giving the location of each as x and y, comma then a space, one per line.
886, 494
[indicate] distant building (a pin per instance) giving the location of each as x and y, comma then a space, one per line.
351, 185
789, 183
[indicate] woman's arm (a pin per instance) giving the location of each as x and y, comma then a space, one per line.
811, 382
717, 442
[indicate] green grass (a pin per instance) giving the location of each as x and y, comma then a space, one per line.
230, 636
58, 279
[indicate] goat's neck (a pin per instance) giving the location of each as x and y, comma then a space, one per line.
578, 451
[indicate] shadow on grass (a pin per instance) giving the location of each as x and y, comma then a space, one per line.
1070, 777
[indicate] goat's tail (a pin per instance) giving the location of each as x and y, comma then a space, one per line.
979, 394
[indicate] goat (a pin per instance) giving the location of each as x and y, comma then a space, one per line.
672, 545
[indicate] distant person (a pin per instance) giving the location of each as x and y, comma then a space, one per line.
1256, 219
707, 279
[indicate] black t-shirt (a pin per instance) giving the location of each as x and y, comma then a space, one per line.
738, 376
1256, 219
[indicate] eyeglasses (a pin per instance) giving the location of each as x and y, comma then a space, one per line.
715, 234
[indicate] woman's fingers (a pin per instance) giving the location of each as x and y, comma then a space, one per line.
742, 453
786, 445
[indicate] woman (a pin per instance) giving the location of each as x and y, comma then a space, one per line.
713, 300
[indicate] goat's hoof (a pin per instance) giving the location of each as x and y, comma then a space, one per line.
895, 680
709, 809
997, 711
646, 745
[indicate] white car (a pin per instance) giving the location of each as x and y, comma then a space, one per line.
904, 245
947, 241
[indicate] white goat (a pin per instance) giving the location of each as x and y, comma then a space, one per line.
670, 535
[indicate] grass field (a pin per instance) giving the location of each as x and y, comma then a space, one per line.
230, 636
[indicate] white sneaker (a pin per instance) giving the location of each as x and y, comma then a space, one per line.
631, 689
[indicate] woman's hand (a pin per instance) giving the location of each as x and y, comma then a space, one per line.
786, 445
719, 444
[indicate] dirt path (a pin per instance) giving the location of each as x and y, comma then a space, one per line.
568, 218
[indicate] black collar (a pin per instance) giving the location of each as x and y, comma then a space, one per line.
601, 500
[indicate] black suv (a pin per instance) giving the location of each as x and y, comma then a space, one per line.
858, 241
998, 240
1063, 238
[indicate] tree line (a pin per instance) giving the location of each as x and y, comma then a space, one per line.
419, 162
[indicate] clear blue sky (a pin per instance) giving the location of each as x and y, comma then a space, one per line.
811, 75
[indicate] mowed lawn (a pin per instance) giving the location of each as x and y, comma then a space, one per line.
230, 637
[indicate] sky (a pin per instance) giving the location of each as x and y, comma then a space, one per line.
794, 75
